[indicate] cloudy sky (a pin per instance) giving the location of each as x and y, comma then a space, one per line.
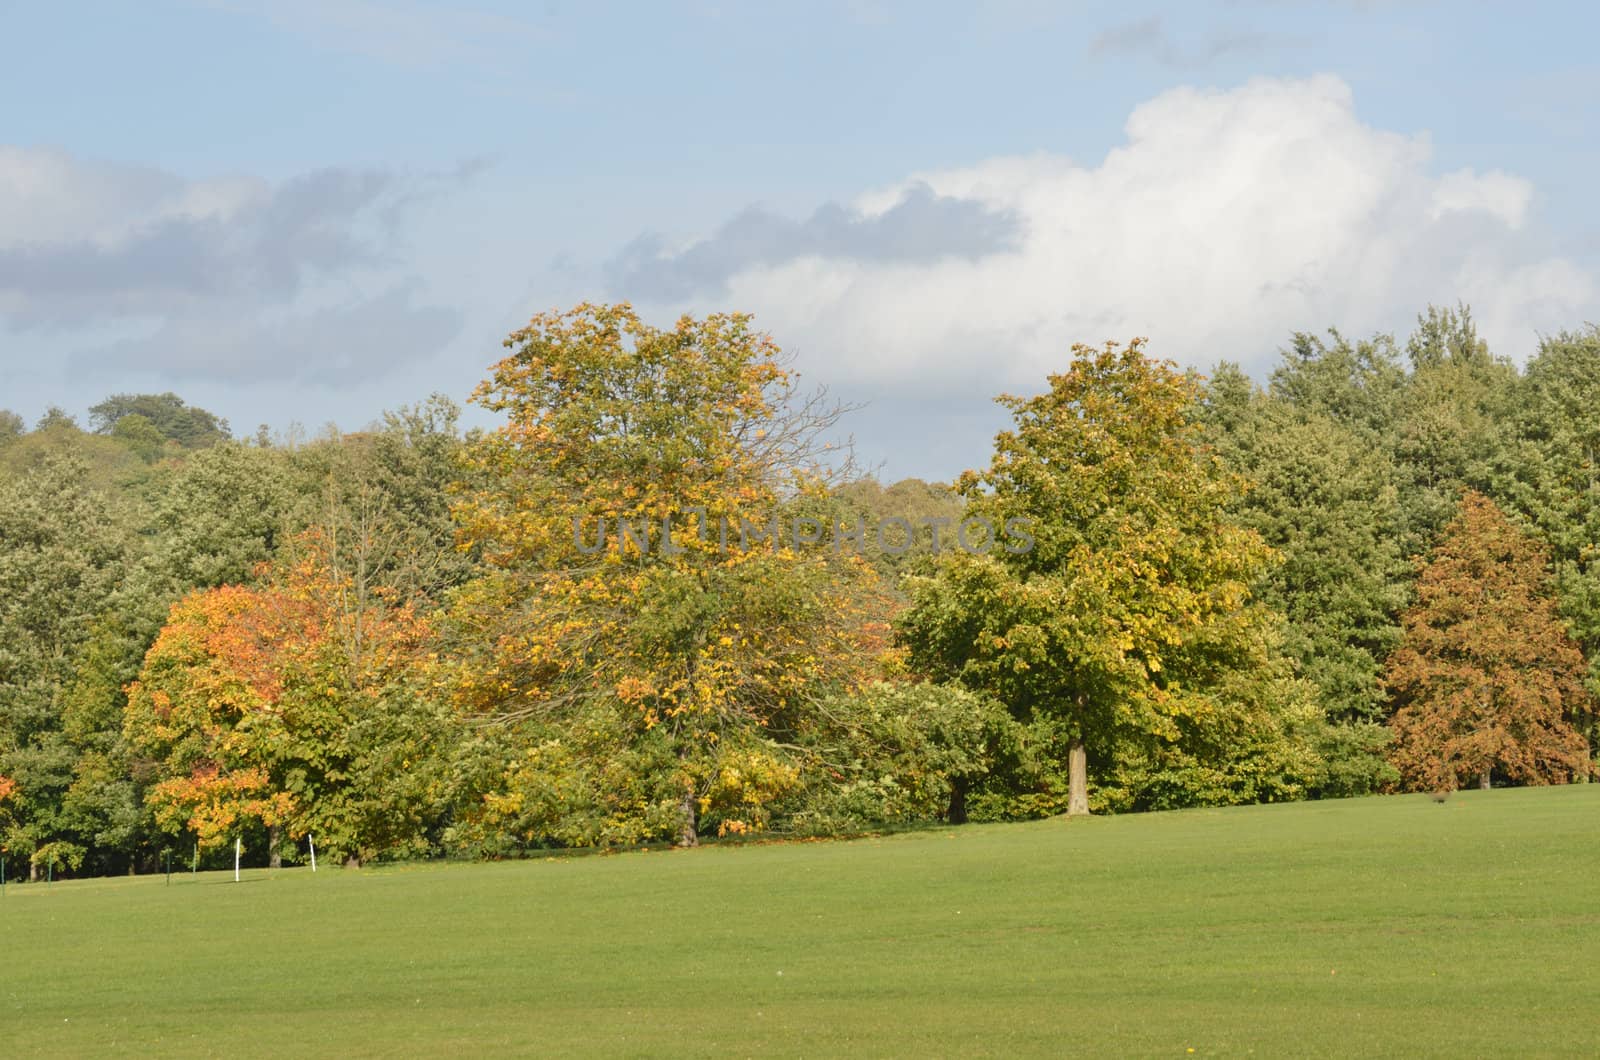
311, 210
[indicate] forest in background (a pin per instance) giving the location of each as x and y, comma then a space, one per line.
1378, 571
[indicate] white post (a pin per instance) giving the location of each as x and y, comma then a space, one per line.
238, 846
313, 841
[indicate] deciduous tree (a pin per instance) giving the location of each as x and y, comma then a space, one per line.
166, 414
1134, 558
1556, 476
711, 648
1487, 679
1324, 496
292, 706
61, 554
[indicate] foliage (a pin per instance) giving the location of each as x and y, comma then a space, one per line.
165, 414
139, 435
1357, 385
1248, 735
1454, 423
409, 638
713, 651
933, 512
1323, 494
224, 512
296, 705
1135, 561
383, 497
60, 557
897, 752
1487, 679
1556, 479
1354, 759
108, 465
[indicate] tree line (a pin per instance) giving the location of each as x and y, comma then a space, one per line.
1377, 571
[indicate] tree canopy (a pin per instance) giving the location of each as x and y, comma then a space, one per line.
167, 414
1486, 678
655, 601
1133, 560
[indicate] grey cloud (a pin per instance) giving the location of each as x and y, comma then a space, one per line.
1349, 5
1239, 42
1149, 38
921, 227
213, 280
1145, 35
164, 260
330, 346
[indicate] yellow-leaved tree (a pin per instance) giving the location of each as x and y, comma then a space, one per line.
1128, 625
647, 643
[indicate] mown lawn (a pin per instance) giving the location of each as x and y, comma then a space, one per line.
1376, 926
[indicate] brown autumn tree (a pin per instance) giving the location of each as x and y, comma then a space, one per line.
1486, 677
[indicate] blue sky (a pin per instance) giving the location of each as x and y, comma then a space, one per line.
310, 212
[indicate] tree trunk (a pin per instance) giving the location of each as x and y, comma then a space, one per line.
1077, 780
687, 836
958, 802
33, 872
274, 858
1483, 780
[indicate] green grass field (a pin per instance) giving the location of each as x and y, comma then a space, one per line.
1376, 926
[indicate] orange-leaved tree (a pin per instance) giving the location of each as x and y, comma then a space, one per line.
205, 709
8, 788
289, 705
1486, 678
695, 659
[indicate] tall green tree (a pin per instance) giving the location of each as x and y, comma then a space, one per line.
61, 554
1556, 478
1324, 495
167, 414
1135, 559
139, 435
225, 511
382, 497
1453, 422
1356, 384
103, 808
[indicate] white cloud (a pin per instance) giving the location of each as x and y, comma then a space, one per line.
1497, 194
1227, 220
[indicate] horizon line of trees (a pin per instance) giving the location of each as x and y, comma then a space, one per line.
1379, 571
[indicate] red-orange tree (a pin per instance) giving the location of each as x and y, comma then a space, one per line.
291, 706
8, 787
1486, 678
206, 707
